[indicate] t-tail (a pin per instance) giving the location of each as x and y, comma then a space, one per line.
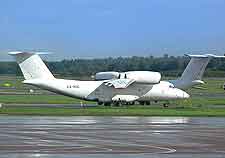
32, 65
194, 71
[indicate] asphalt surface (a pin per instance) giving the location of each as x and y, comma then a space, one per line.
26, 136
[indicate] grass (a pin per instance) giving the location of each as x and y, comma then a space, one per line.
199, 102
121, 111
38, 99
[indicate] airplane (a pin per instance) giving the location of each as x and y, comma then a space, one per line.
141, 86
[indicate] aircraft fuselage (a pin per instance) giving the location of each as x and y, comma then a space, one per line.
98, 91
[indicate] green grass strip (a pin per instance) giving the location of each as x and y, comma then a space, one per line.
121, 111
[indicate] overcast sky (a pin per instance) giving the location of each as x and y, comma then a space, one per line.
103, 28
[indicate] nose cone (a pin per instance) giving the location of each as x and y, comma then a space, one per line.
185, 95
182, 94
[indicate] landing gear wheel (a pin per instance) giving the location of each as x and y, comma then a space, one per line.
147, 103
124, 103
99, 103
132, 103
116, 103
165, 105
142, 102
107, 104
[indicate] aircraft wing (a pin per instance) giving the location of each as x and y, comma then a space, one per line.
119, 83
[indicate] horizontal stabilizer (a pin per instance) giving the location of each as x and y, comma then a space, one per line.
198, 82
198, 87
31, 53
204, 56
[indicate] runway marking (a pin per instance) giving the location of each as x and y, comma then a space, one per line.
90, 140
35, 140
169, 150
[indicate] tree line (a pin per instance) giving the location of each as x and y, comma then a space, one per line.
167, 65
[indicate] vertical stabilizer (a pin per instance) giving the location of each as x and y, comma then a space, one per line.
194, 71
32, 65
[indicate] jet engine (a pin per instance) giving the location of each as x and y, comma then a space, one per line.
148, 77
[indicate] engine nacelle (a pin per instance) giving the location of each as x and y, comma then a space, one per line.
148, 77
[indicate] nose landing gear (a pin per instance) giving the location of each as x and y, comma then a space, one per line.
165, 105
144, 102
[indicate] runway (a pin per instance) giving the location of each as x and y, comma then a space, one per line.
26, 136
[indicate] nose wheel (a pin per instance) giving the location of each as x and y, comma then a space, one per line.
165, 105
99, 103
107, 104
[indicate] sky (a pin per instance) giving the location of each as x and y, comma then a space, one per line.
112, 28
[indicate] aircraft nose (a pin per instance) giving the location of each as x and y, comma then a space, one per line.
185, 95
182, 94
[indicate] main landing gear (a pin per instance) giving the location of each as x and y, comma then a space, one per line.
165, 105
115, 103
99, 103
104, 103
144, 102
120, 103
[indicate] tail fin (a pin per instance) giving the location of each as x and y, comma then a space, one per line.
32, 65
194, 71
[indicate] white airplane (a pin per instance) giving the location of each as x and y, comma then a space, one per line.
142, 86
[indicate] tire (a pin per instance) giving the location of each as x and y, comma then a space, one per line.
142, 103
148, 103
99, 103
107, 104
